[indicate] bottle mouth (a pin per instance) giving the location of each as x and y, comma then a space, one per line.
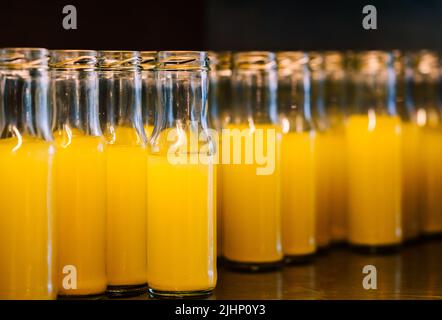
374, 61
182, 61
73, 59
255, 60
291, 60
220, 60
24, 58
119, 60
148, 60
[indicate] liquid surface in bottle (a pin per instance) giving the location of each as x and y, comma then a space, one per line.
126, 208
81, 208
251, 201
27, 230
181, 226
298, 193
374, 168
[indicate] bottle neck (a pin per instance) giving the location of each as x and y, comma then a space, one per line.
182, 100
120, 103
24, 108
75, 100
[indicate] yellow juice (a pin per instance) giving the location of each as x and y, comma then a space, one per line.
411, 175
81, 208
432, 162
181, 226
323, 149
298, 193
148, 129
251, 203
126, 209
219, 201
27, 229
374, 168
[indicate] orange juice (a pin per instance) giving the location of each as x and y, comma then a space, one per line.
251, 201
411, 172
181, 226
374, 168
81, 207
323, 175
298, 193
432, 162
27, 228
126, 208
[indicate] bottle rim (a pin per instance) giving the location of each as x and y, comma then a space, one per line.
148, 60
24, 58
119, 60
255, 60
182, 61
73, 59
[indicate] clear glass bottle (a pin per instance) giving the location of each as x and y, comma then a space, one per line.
181, 218
412, 166
119, 74
251, 166
220, 102
80, 173
148, 90
374, 155
27, 229
297, 156
322, 149
424, 95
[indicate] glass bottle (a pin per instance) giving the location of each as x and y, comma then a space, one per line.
322, 150
80, 173
220, 100
374, 155
181, 218
335, 103
424, 94
251, 166
27, 230
148, 89
297, 156
119, 76
412, 166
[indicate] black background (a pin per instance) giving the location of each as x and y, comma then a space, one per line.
221, 24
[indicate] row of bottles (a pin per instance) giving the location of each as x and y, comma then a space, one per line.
358, 152
122, 170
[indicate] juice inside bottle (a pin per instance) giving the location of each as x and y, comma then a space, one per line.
411, 179
298, 193
126, 208
374, 168
251, 201
81, 207
27, 229
432, 160
323, 175
181, 228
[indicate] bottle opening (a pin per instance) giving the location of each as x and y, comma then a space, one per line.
24, 58
119, 60
148, 60
182, 60
255, 60
73, 59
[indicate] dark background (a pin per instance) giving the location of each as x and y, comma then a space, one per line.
222, 24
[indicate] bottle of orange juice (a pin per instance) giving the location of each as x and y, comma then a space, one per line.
251, 166
80, 174
27, 215
424, 94
329, 101
220, 100
412, 165
181, 197
122, 125
374, 155
148, 89
298, 204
